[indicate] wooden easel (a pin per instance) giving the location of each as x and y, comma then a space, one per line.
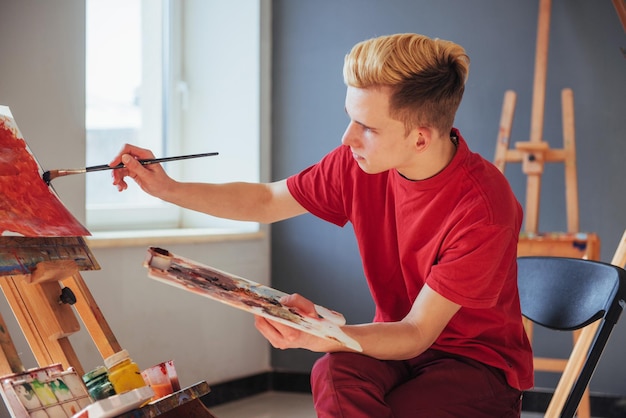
47, 323
533, 155
44, 269
34, 296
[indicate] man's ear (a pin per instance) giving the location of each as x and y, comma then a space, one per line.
422, 138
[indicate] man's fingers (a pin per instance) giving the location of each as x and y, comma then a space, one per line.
280, 336
301, 303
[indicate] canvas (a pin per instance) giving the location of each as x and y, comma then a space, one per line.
29, 207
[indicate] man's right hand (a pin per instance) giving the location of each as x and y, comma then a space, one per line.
151, 177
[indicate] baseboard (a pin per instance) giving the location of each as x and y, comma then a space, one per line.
536, 400
253, 385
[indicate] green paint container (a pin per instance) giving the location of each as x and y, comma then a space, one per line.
98, 384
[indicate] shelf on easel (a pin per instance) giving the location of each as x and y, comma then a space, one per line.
560, 244
20, 255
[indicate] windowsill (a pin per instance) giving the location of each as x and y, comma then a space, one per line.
142, 238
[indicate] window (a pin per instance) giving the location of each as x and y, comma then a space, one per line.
177, 77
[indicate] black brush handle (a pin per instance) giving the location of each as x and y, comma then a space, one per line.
150, 161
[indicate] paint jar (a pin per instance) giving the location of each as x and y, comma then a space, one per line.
171, 372
159, 380
124, 373
98, 384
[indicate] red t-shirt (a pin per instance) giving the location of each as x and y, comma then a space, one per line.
456, 231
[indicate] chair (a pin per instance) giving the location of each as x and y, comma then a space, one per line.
568, 294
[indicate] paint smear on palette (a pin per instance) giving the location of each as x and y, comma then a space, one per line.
28, 207
243, 294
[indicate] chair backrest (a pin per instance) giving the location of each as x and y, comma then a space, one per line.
569, 294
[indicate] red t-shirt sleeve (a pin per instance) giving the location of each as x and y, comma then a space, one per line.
319, 188
471, 270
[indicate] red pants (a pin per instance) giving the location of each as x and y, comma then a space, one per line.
434, 384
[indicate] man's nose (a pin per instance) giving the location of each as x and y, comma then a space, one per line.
349, 135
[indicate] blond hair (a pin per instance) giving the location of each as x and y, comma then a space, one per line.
427, 76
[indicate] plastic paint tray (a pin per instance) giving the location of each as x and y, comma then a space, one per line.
117, 404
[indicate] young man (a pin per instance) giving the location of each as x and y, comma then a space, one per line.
437, 228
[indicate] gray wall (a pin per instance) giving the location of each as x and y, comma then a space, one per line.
310, 40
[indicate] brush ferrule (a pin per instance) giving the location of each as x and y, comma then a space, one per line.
67, 172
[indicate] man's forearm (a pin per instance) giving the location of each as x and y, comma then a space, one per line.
256, 202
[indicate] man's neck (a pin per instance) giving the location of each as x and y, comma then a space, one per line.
437, 157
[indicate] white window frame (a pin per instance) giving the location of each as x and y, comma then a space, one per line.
212, 107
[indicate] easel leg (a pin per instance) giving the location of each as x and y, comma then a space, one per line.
92, 317
504, 131
584, 407
571, 371
569, 145
10, 362
533, 194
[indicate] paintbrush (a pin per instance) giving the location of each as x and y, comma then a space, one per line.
50, 175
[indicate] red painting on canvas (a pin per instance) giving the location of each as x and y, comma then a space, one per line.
29, 207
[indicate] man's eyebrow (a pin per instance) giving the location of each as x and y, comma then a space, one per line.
364, 125
358, 122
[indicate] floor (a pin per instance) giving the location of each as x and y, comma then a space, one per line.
280, 405
268, 405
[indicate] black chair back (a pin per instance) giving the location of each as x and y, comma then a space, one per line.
568, 294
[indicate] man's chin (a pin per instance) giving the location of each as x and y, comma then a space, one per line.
367, 169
